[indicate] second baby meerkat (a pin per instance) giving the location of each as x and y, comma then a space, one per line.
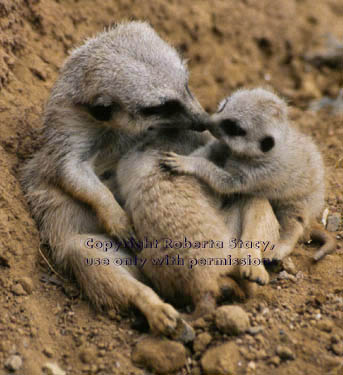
258, 152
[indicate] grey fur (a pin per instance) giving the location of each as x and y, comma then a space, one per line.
173, 207
266, 157
70, 182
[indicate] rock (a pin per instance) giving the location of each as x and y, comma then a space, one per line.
261, 354
325, 325
337, 348
286, 276
200, 323
13, 363
284, 353
52, 369
333, 363
274, 361
333, 222
27, 284
161, 355
221, 360
48, 352
334, 339
87, 355
251, 366
201, 342
232, 320
255, 330
289, 266
18, 290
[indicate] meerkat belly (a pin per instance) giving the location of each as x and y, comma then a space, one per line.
164, 206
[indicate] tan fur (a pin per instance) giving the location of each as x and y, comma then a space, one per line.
164, 206
110, 90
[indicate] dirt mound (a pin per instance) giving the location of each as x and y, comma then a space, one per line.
296, 322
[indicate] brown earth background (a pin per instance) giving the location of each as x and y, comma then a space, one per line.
229, 44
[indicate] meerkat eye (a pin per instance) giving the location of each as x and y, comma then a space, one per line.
166, 109
103, 112
232, 129
267, 143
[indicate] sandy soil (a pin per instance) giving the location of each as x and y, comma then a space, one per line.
229, 44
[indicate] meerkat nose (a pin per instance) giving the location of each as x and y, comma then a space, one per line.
212, 127
200, 124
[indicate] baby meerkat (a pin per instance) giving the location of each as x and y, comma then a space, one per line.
180, 209
110, 90
259, 153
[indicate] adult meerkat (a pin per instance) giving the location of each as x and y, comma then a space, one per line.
179, 209
262, 154
110, 90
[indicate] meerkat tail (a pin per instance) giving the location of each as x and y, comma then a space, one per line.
321, 235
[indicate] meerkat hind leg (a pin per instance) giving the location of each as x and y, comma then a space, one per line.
120, 286
258, 224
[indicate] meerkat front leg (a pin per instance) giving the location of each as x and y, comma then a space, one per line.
79, 180
220, 180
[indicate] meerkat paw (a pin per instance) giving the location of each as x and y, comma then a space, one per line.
117, 225
164, 319
174, 163
279, 252
257, 274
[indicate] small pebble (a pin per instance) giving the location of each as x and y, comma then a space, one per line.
202, 341
53, 369
333, 222
284, 353
48, 352
221, 360
161, 355
87, 355
18, 290
252, 366
255, 330
13, 363
274, 361
232, 320
286, 276
337, 348
27, 284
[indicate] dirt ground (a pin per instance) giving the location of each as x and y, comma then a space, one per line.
229, 44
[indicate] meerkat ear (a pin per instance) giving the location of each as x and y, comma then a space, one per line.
277, 110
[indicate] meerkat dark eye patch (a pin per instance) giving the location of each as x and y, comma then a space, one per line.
231, 128
169, 108
267, 143
102, 112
